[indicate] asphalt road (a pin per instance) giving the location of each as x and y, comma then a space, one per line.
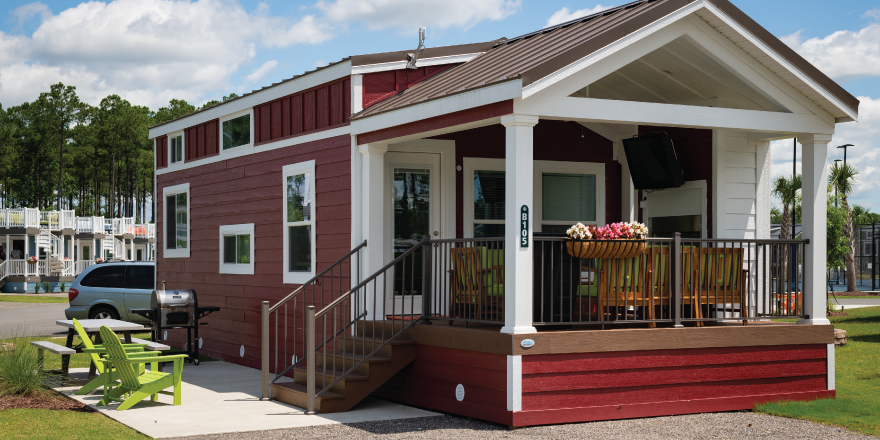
32, 320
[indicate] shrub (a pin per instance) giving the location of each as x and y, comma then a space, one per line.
46, 287
20, 371
62, 285
37, 287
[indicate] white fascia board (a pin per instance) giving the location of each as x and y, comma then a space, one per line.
421, 62
648, 113
305, 82
236, 152
610, 49
779, 59
438, 107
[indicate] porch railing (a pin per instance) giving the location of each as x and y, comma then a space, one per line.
89, 225
82, 265
68, 219
19, 218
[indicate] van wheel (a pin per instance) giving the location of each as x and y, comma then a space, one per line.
103, 312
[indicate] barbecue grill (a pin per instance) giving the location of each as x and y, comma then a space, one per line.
172, 309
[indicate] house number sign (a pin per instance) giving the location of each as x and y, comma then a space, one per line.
524, 227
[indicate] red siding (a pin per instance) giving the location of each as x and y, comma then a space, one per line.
202, 140
553, 140
693, 147
249, 189
161, 151
383, 85
433, 376
320, 108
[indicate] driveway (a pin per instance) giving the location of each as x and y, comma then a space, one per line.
853, 303
31, 319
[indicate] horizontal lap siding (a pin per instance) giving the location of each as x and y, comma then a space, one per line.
431, 380
249, 189
693, 148
324, 107
553, 140
601, 379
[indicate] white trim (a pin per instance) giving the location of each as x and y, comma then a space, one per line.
180, 163
830, 363
307, 81
357, 93
239, 152
514, 383
609, 50
249, 147
779, 59
290, 170
649, 113
549, 166
470, 165
437, 107
422, 62
235, 230
174, 190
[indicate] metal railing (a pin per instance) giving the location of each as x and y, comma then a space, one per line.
674, 281
289, 314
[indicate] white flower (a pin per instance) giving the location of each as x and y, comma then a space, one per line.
579, 232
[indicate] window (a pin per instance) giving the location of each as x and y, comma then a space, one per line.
567, 199
489, 195
110, 276
175, 145
299, 222
237, 131
139, 277
175, 228
237, 249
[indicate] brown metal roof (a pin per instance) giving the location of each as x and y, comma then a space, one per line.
538, 54
429, 52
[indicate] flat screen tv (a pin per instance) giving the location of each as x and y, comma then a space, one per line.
652, 161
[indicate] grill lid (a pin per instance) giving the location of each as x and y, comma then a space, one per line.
172, 298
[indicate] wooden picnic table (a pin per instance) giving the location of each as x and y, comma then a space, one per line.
93, 328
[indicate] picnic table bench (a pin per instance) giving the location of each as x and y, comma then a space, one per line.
51, 347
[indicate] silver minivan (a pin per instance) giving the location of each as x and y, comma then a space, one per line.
110, 290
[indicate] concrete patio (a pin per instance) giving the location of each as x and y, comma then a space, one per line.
219, 397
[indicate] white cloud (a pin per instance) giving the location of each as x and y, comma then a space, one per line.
320, 63
564, 14
410, 15
864, 135
262, 71
873, 13
144, 50
843, 55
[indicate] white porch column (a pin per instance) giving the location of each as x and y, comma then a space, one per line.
815, 212
519, 169
373, 219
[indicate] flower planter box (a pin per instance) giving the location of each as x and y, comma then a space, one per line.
605, 248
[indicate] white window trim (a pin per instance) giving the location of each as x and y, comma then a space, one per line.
291, 170
168, 191
176, 165
236, 268
472, 164
241, 149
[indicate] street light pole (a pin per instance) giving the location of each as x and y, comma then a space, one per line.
844, 151
835, 186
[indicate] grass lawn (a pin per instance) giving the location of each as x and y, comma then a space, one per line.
48, 424
23, 298
857, 381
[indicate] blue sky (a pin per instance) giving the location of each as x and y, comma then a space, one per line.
150, 51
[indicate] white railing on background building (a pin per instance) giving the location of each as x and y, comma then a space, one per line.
151, 230
50, 220
68, 219
90, 225
82, 265
128, 225
69, 268
19, 218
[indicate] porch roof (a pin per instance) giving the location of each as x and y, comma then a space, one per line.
537, 55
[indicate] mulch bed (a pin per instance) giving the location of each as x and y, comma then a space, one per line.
851, 293
51, 400
838, 314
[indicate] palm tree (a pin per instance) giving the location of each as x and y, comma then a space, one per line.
787, 191
842, 178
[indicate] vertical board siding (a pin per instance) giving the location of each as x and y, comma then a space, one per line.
202, 140
320, 108
693, 147
553, 140
436, 372
249, 189
379, 86
599, 379
161, 151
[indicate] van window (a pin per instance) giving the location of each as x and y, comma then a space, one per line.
109, 276
139, 277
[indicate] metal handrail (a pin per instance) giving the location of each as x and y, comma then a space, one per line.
319, 275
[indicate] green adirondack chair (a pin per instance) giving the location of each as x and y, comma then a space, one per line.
136, 386
95, 352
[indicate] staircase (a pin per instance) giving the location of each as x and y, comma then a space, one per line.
341, 355
382, 360
56, 266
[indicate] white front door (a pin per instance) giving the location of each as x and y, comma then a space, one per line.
413, 207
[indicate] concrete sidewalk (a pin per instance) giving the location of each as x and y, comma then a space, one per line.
219, 397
